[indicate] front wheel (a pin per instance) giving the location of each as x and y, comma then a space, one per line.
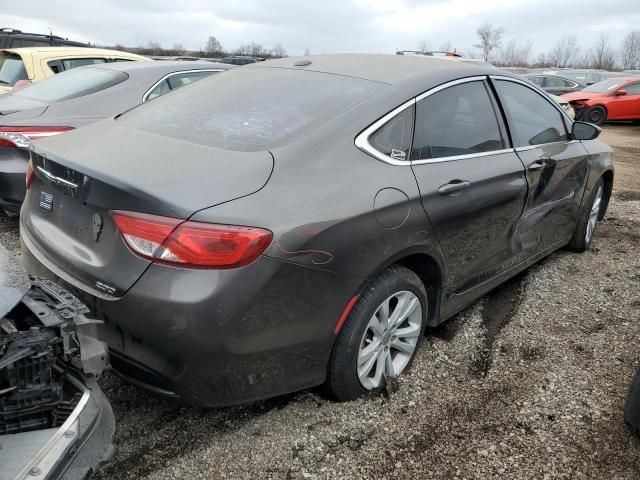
588, 219
381, 335
596, 115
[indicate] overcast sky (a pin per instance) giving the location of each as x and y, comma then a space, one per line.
324, 26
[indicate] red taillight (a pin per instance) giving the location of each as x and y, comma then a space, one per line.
191, 244
29, 175
21, 137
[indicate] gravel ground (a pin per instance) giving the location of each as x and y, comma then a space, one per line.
529, 382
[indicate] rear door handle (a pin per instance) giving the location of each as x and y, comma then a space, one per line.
538, 164
453, 186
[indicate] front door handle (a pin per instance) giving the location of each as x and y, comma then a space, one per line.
538, 164
453, 186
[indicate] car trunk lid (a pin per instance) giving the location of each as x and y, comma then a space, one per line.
14, 108
66, 223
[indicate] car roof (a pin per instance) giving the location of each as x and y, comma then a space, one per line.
69, 50
383, 68
169, 66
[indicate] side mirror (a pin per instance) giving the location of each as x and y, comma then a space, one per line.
584, 131
620, 93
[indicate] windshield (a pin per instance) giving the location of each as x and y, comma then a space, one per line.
250, 109
604, 86
72, 84
11, 69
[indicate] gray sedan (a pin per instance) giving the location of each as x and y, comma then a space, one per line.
75, 98
301, 221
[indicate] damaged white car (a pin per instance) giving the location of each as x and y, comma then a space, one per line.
54, 420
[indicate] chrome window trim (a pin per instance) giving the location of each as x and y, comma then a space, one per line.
168, 75
362, 140
531, 147
461, 157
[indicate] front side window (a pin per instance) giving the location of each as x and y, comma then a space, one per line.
81, 62
11, 69
459, 120
393, 139
532, 118
633, 89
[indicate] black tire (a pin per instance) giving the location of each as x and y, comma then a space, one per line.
342, 379
632, 406
596, 115
579, 242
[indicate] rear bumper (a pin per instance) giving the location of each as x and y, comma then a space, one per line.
13, 165
221, 337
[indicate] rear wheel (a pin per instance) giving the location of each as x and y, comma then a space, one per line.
588, 219
596, 115
381, 335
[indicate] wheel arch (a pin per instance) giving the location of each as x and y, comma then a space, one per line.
430, 271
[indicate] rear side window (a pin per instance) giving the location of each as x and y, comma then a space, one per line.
537, 80
11, 70
185, 78
72, 84
160, 89
557, 82
29, 42
393, 139
81, 62
251, 109
459, 120
532, 118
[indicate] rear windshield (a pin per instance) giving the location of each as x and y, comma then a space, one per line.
72, 84
11, 69
250, 108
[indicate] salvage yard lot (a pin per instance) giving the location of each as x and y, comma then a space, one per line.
526, 383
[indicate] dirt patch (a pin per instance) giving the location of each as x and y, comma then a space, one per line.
498, 311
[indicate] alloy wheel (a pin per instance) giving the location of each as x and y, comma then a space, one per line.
390, 339
593, 215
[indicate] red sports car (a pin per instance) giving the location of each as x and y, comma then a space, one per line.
612, 99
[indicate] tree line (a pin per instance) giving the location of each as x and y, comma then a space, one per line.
602, 54
211, 49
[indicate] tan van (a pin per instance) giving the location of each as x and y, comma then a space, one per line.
35, 63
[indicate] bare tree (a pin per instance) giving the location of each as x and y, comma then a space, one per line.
178, 48
630, 51
603, 56
278, 51
516, 53
256, 50
213, 46
422, 46
446, 46
490, 39
155, 48
565, 51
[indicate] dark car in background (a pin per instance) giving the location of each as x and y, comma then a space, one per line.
301, 221
240, 60
555, 84
75, 98
12, 38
